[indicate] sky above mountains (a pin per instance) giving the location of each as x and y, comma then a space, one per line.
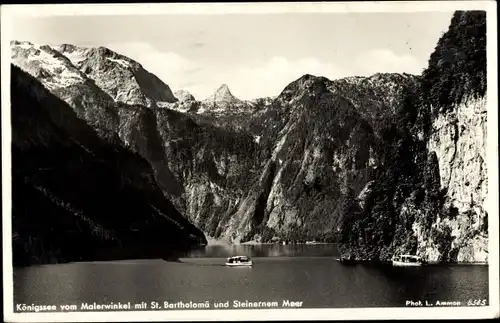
256, 55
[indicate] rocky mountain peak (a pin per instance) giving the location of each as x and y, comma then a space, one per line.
307, 84
76, 54
222, 96
109, 59
184, 96
223, 90
66, 48
119, 76
104, 51
20, 43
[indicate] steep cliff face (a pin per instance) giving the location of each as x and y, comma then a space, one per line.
214, 166
437, 192
77, 197
456, 81
459, 141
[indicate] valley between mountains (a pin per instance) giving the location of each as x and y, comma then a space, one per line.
105, 154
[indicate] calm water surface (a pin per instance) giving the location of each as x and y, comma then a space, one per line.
307, 273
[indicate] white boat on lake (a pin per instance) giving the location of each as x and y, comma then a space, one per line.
407, 261
239, 261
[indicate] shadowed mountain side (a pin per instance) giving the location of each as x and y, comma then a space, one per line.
76, 197
215, 166
107, 90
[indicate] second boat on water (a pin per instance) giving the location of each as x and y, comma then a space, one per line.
407, 261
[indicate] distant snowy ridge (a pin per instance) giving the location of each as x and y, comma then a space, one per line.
61, 66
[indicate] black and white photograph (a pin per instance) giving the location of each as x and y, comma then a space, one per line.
250, 161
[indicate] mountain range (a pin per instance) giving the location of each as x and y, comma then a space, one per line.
380, 164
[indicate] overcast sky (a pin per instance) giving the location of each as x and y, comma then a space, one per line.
255, 55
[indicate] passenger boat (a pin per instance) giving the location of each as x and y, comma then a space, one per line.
407, 261
239, 261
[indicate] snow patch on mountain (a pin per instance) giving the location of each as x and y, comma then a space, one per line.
22, 44
45, 63
75, 54
122, 62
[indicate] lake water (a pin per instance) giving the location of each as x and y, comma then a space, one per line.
303, 273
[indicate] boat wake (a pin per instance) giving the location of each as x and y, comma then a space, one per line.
204, 265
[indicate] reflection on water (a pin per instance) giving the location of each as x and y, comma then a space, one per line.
266, 250
279, 273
